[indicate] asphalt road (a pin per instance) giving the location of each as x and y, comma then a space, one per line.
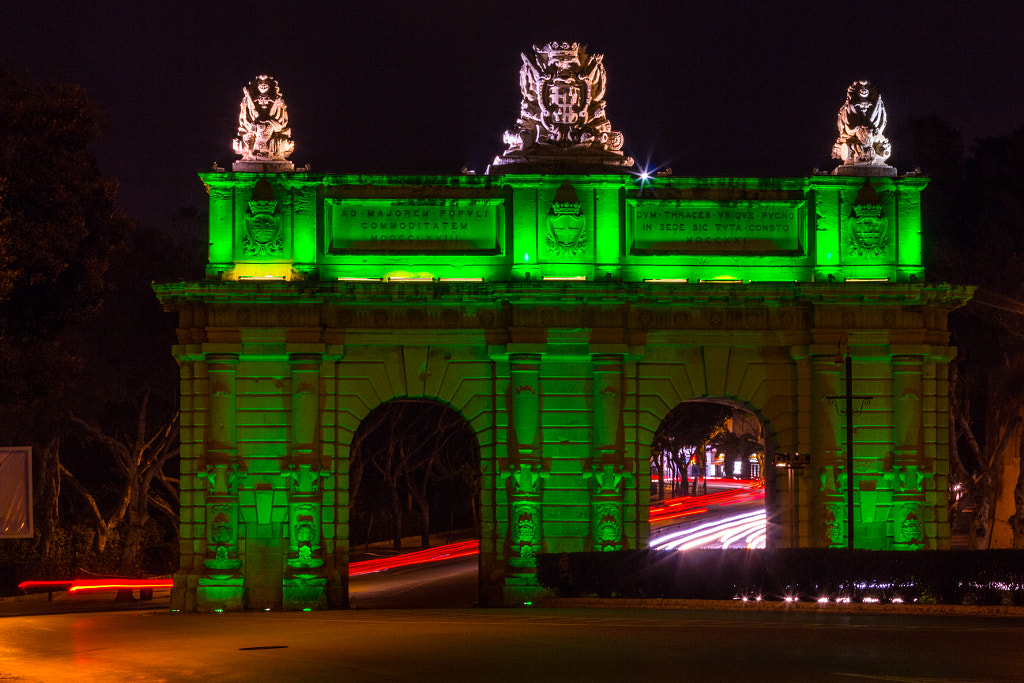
505, 645
447, 584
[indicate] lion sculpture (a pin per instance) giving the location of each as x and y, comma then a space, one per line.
861, 126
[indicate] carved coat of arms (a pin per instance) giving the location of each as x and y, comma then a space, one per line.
567, 226
262, 224
869, 227
562, 113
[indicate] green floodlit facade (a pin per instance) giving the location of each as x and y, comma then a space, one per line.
563, 316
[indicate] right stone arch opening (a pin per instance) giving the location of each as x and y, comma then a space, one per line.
709, 459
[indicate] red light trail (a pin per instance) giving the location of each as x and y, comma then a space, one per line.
670, 509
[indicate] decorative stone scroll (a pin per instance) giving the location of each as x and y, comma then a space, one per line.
562, 120
264, 138
862, 145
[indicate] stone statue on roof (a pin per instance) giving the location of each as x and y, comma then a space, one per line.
264, 138
562, 120
862, 145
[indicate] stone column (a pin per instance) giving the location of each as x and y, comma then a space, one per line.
906, 400
221, 586
606, 466
829, 513
907, 440
525, 470
221, 435
304, 583
305, 407
607, 407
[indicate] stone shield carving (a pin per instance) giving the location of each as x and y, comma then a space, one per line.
262, 224
567, 226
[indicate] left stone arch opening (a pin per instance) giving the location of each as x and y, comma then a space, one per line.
414, 476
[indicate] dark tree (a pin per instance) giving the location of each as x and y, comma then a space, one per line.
684, 435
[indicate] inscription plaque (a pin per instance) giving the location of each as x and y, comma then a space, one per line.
414, 226
703, 227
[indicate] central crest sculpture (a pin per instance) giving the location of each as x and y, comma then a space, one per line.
862, 145
264, 138
562, 121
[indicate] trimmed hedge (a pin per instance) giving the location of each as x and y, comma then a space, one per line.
982, 577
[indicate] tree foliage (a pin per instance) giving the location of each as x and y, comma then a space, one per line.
81, 332
684, 435
59, 231
973, 213
413, 457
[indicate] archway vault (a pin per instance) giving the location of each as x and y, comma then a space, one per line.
563, 359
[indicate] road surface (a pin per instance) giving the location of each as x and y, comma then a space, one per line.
509, 645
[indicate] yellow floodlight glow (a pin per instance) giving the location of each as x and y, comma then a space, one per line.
409, 276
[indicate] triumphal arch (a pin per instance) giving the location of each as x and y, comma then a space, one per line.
563, 303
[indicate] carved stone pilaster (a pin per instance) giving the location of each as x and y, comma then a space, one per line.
221, 434
305, 408
525, 530
607, 445
525, 390
606, 497
825, 436
222, 561
906, 406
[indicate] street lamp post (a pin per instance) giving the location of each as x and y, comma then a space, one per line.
849, 448
843, 356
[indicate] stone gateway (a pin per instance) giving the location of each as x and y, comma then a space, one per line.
563, 315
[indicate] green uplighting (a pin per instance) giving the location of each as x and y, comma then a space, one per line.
461, 227
563, 316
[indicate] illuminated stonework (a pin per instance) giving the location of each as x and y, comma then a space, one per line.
862, 145
562, 119
564, 317
264, 138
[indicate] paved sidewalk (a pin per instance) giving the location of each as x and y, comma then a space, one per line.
67, 603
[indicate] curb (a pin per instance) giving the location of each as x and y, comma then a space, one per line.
1000, 611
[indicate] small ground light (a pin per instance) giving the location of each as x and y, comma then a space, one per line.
897, 600
823, 599
218, 611
306, 609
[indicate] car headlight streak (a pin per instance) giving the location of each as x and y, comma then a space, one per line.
721, 533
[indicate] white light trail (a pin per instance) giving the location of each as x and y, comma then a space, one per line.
749, 526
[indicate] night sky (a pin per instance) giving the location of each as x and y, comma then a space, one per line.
708, 88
